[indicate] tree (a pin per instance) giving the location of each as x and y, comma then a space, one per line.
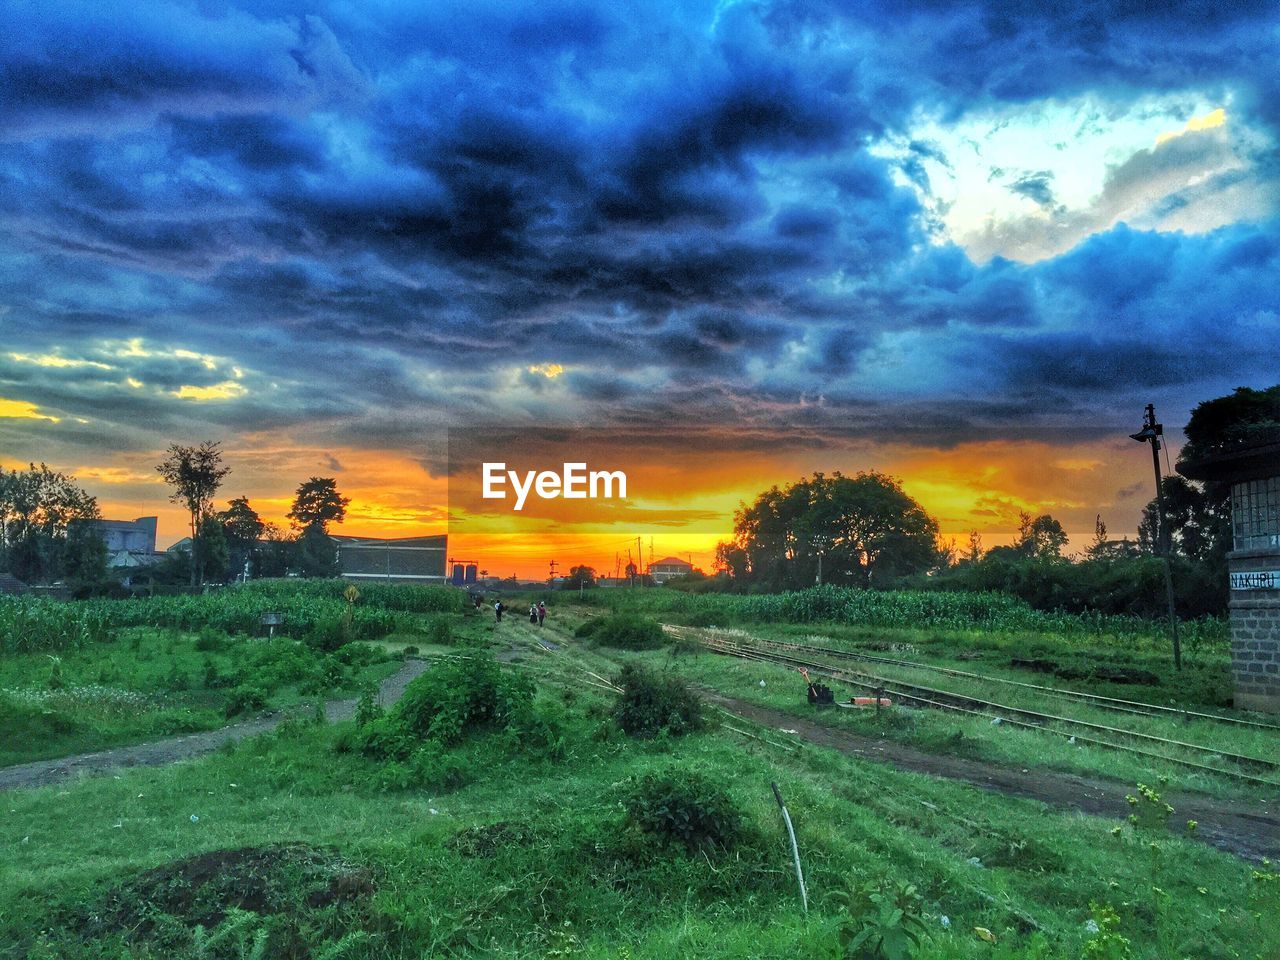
580, 577
317, 555
1240, 418
861, 530
195, 473
38, 510
277, 552
1197, 518
318, 503
240, 522
242, 528
1040, 536
214, 554
973, 552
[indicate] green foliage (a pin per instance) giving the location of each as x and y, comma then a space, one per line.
215, 556
439, 631
917, 609
881, 920
684, 807
30, 624
862, 530
457, 696
1243, 417
1106, 942
623, 632
245, 698
42, 534
653, 703
1148, 810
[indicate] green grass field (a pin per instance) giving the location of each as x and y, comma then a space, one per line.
519, 837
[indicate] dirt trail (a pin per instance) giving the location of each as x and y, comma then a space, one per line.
172, 749
1247, 829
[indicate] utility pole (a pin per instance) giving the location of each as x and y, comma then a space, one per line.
552, 576
1151, 432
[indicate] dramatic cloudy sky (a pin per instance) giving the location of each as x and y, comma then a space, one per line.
963, 243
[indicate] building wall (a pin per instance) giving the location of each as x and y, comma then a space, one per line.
410, 560
135, 536
1255, 634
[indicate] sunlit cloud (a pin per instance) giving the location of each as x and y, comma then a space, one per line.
548, 370
57, 361
22, 410
227, 390
1214, 118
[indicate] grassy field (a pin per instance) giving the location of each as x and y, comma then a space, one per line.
524, 829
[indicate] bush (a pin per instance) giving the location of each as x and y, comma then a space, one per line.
210, 640
684, 807
439, 631
651, 703
539, 728
245, 698
454, 697
623, 631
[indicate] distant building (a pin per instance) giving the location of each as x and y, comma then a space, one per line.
1253, 471
401, 560
669, 567
130, 543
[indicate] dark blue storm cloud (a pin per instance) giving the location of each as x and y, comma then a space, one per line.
380, 216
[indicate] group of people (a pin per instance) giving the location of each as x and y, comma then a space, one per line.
537, 611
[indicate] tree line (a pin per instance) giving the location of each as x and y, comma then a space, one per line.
47, 533
236, 541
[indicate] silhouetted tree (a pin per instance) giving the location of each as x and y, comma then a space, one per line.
318, 503
1040, 536
195, 473
861, 530
39, 508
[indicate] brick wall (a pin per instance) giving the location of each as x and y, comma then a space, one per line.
1255, 636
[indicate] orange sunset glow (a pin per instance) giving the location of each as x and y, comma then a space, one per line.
682, 506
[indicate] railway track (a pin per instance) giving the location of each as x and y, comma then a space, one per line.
1134, 707
1080, 731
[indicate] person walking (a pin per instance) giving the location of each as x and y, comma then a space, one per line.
533, 613
542, 612
497, 610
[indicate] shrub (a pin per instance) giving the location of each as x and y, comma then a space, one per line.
384, 739
651, 703
244, 698
623, 631
684, 807
539, 728
439, 631
454, 697
209, 640
879, 921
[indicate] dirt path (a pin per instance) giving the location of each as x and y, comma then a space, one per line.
1247, 829
172, 749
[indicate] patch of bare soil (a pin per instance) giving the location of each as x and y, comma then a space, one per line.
1247, 829
202, 889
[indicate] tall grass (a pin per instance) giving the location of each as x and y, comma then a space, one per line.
33, 624
920, 609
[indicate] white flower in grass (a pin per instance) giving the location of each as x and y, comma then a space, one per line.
1091, 925
945, 921
194, 818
